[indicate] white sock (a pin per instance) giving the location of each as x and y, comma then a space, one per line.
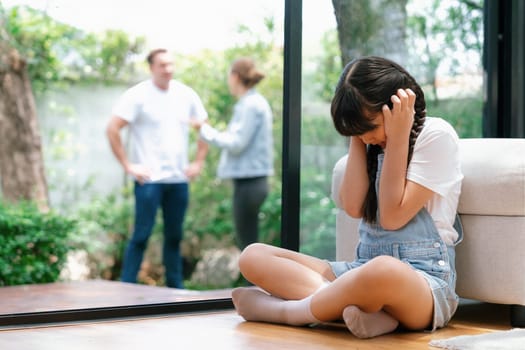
368, 325
256, 305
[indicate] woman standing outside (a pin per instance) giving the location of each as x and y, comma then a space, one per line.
247, 148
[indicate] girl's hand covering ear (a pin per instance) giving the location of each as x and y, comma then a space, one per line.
398, 120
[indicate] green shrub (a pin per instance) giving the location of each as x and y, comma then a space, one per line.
317, 214
104, 225
270, 215
465, 114
33, 245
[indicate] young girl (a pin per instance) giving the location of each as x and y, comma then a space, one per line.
403, 178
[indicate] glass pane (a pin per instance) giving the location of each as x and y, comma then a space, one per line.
439, 42
321, 145
91, 56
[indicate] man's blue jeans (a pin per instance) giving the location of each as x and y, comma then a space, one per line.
173, 198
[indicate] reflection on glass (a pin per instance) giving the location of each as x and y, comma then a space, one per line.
442, 51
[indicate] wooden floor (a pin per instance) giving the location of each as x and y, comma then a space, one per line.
211, 330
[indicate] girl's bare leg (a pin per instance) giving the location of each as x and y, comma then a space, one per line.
384, 287
284, 273
384, 283
289, 279
256, 305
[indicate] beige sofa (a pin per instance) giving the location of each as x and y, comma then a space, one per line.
491, 259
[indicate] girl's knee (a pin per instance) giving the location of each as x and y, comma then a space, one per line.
383, 262
253, 259
253, 249
251, 256
382, 269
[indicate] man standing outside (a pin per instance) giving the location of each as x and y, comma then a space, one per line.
158, 111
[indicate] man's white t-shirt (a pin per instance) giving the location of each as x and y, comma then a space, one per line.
159, 127
435, 164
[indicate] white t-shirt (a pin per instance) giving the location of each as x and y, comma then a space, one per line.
159, 127
435, 164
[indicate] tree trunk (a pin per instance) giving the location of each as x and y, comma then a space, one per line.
371, 27
22, 174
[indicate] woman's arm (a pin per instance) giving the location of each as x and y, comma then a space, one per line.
247, 119
399, 199
355, 181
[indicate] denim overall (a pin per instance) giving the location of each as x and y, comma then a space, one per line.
418, 244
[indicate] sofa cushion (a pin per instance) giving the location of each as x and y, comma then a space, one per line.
494, 182
491, 259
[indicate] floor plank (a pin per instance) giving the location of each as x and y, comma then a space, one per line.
226, 330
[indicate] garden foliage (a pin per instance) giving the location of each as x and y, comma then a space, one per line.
33, 244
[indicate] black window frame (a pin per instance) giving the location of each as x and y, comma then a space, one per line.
504, 68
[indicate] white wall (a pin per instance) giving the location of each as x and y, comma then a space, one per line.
72, 124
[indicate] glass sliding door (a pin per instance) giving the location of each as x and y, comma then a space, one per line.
442, 52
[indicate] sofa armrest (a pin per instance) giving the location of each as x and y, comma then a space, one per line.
494, 182
346, 227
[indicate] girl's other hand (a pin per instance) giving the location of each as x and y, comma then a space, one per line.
398, 120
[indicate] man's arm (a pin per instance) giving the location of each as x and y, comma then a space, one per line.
113, 133
116, 124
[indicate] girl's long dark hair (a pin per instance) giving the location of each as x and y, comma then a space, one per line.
365, 85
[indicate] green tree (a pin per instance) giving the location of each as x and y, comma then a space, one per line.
21, 161
38, 52
327, 68
449, 31
371, 28
58, 54
109, 57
